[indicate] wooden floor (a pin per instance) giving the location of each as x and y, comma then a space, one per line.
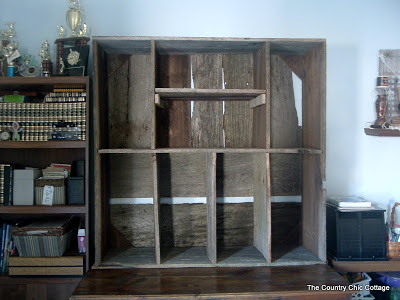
217, 283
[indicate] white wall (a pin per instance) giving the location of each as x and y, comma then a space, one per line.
355, 31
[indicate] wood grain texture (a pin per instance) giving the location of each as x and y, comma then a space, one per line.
211, 190
234, 223
182, 175
261, 114
314, 102
174, 122
156, 208
234, 175
207, 118
135, 223
215, 283
101, 208
38, 288
131, 103
130, 176
314, 208
285, 131
262, 205
238, 117
183, 225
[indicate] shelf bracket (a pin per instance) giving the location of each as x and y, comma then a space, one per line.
259, 100
158, 101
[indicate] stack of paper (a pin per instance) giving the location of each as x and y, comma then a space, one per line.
349, 203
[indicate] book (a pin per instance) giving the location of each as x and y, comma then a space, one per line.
349, 202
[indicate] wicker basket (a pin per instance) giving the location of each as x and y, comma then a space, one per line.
59, 190
45, 238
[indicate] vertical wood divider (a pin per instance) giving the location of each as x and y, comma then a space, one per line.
211, 190
267, 83
153, 73
262, 205
156, 208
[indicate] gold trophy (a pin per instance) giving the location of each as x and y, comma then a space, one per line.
74, 16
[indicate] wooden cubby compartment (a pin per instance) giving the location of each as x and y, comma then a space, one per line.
209, 120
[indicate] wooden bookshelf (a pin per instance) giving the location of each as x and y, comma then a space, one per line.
166, 128
381, 132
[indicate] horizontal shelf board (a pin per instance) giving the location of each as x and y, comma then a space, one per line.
212, 150
62, 261
44, 145
208, 94
246, 256
43, 209
188, 45
381, 132
40, 83
391, 265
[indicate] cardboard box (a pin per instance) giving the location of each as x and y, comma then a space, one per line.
24, 186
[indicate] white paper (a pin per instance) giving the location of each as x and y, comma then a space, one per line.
48, 195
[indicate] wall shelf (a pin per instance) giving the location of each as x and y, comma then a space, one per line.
381, 132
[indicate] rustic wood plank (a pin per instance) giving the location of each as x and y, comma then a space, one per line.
158, 101
180, 179
261, 114
183, 226
174, 121
135, 223
117, 239
314, 207
156, 208
130, 103
285, 131
259, 100
216, 283
262, 205
211, 181
130, 176
314, 102
238, 118
207, 119
227, 94
101, 208
235, 175
153, 110
211, 150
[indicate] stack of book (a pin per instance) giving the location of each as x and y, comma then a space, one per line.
349, 203
36, 119
6, 184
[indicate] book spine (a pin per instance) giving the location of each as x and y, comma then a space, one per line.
3, 240
7, 185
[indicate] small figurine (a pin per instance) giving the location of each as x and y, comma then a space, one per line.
83, 30
10, 33
16, 129
61, 31
44, 52
47, 65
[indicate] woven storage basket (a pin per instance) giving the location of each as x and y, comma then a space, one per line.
45, 238
59, 190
